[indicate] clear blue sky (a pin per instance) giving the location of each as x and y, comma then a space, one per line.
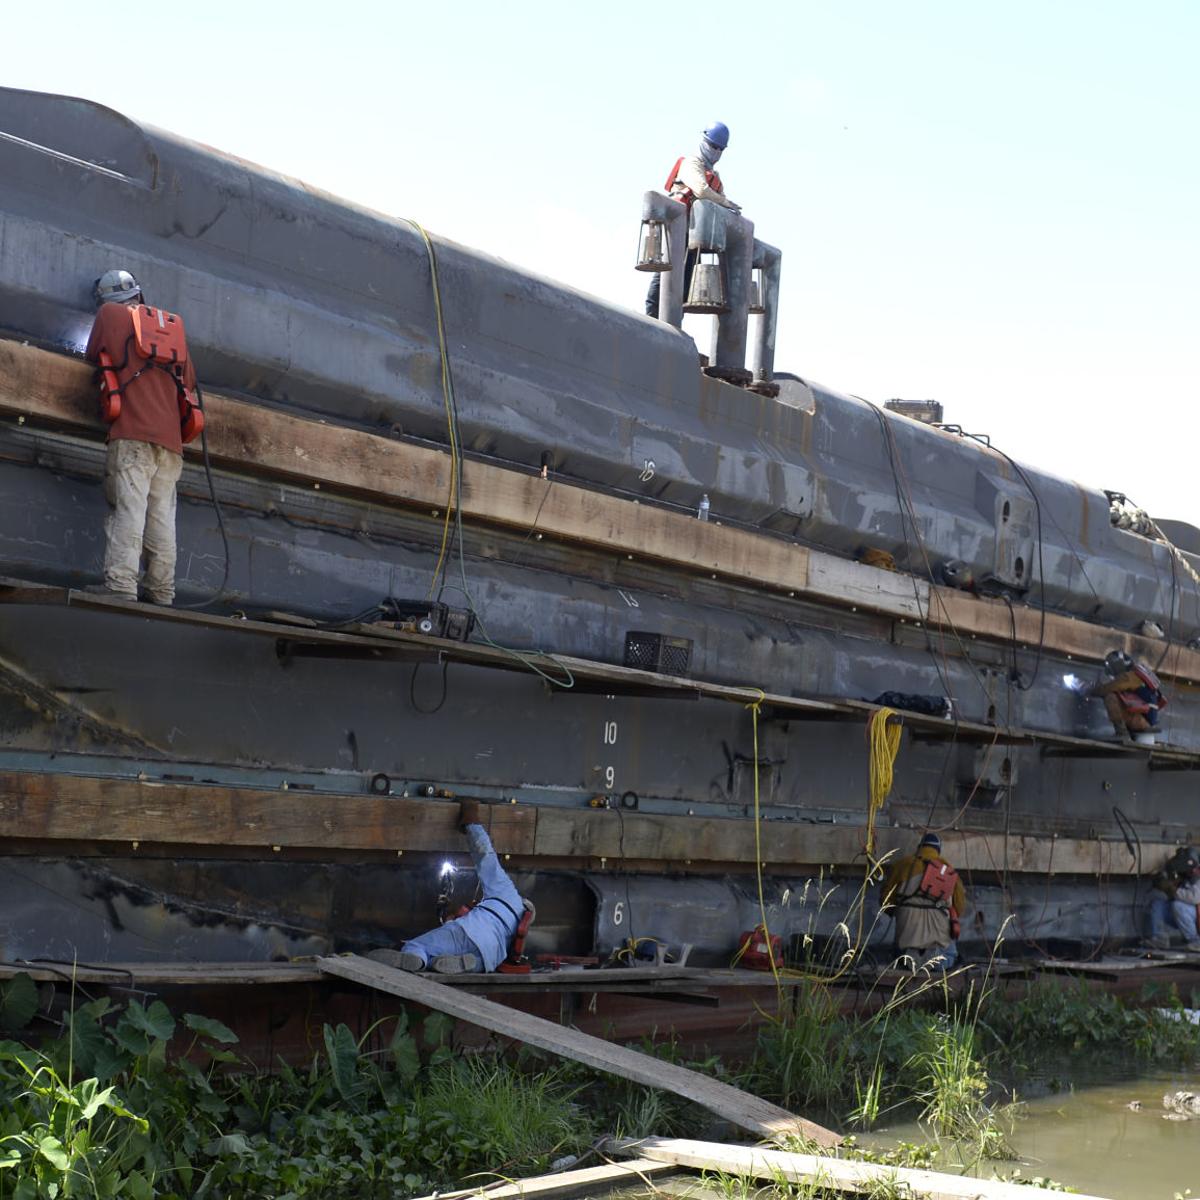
993, 205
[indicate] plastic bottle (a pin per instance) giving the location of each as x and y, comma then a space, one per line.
702, 511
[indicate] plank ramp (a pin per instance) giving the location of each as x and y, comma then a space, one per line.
831, 1173
742, 1109
587, 1181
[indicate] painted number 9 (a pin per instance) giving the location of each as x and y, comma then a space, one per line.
610, 777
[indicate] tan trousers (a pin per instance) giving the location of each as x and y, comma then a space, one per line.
139, 485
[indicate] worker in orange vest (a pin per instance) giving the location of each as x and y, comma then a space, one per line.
145, 442
1132, 695
694, 177
926, 897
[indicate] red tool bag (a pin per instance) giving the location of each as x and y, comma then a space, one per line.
753, 952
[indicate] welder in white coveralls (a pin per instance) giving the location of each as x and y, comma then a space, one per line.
482, 937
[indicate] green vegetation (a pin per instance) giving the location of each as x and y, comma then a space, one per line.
101, 1111
97, 1107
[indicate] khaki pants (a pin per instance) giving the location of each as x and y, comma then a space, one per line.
139, 485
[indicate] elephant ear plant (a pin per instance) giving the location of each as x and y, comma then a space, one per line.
97, 1108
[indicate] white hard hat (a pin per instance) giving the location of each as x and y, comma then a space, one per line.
116, 285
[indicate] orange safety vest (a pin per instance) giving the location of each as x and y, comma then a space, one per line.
157, 339
936, 890
687, 196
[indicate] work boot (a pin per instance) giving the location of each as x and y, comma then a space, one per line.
160, 600
102, 589
1159, 941
400, 960
455, 964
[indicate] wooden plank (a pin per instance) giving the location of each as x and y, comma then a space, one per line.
258, 440
37, 806
746, 1111
357, 638
587, 1181
834, 1173
263, 440
164, 974
46, 807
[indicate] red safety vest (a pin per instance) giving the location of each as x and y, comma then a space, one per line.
687, 196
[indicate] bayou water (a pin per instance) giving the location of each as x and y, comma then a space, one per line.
1090, 1138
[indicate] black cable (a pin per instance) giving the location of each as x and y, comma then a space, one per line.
212, 491
412, 689
1128, 829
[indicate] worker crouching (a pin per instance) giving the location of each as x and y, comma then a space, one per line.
1174, 899
1132, 696
479, 939
926, 897
147, 385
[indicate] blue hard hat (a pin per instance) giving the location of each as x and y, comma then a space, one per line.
932, 839
718, 134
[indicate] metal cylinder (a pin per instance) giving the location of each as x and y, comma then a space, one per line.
707, 293
653, 253
757, 303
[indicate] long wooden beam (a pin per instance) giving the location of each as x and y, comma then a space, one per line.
42, 808
834, 1174
744, 1110
251, 438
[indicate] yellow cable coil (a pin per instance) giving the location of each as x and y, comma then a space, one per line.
884, 742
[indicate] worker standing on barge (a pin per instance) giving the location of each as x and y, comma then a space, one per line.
694, 177
480, 939
926, 898
144, 399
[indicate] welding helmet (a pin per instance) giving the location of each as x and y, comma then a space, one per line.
718, 134
116, 285
1117, 662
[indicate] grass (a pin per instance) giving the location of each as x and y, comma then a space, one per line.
100, 1108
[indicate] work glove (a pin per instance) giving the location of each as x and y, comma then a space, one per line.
471, 812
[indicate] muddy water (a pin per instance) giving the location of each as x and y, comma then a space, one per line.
1091, 1139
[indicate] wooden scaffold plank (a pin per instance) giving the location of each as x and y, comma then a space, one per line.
742, 1109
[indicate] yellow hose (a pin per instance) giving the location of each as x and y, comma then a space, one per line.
884, 741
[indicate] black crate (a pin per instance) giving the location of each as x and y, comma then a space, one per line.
658, 652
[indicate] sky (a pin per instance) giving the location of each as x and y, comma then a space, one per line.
990, 205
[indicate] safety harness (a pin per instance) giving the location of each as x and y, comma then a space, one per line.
687, 196
517, 962
156, 338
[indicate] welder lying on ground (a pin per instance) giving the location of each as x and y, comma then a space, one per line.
1131, 693
926, 897
1174, 898
481, 938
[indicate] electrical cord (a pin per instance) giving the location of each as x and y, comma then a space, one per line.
221, 592
454, 520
